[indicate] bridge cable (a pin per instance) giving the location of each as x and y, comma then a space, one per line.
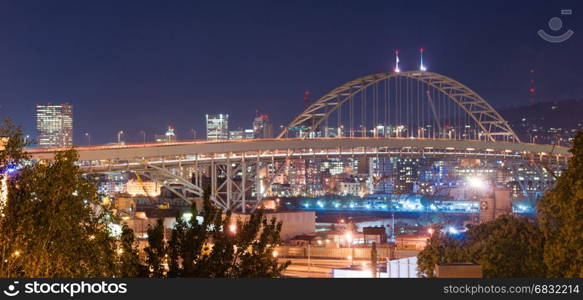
407, 104
386, 107
351, 116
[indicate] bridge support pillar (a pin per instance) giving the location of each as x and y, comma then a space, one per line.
243, 184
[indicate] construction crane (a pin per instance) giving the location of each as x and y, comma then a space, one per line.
164, 205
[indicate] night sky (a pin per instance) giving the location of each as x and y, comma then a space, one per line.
142, 65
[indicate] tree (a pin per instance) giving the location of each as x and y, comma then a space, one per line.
156, 250
50, 226
374, 260
129, 261
508, 246
212, 249
12, 143
560, 214
441, 248
52, 223
174, 247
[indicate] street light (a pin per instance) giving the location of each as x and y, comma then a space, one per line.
119, 133
143, 133
233, 228
88, 138
193, 134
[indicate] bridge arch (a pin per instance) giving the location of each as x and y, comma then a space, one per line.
463, 105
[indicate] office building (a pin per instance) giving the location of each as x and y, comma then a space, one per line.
262, 127
241, 134
54, 125
217, 127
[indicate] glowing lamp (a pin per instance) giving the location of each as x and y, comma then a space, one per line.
476, 182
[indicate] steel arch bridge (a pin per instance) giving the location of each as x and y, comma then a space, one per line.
438, 110
488, 120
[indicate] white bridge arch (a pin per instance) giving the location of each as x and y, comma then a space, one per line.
479, 110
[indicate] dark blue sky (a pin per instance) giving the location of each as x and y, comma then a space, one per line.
141, 65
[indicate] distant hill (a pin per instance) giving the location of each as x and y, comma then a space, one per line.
543, 122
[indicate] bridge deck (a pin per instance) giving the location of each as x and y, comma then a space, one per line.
267, 147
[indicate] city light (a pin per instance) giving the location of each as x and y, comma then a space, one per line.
452, 230
187, 216
274, 253
477, 182
233, 228
348, 237
430, 231
10, 169
114, 229
3, 190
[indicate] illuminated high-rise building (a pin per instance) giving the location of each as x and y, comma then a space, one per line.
54, 125
241, 134
262, 127
217, 127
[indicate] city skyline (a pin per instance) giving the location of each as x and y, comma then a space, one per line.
144, 99
525, 120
